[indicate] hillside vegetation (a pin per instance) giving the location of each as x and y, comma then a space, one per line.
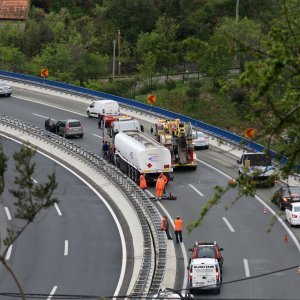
74, 40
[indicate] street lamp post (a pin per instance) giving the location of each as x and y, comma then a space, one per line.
119, 51
114, 59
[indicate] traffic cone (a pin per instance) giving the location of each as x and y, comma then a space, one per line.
265, 210
232, 181
286, 238
298, 270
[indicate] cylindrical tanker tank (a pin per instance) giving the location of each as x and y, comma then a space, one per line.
143, 152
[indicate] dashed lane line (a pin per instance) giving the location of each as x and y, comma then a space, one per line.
196, 190
228, 224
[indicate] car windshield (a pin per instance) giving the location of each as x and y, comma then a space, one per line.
258, 159
198, 135
205, 252
74, 124
292, 191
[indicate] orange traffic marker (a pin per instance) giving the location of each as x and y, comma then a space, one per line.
286, 238
232, 181
265, 210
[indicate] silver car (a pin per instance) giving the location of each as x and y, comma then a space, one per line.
70, 127
200, 140
5, 89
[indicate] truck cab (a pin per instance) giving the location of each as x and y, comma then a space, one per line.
257, 167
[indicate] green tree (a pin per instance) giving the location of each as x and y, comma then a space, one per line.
272, 80
30, 198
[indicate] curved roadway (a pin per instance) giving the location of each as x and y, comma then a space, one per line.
257, 264
73, 248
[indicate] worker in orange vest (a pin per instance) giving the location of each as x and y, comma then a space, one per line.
165, 178
178, 229
143, 182
165, 227
159, 187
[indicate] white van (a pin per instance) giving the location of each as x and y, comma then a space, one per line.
204, 274
103, 108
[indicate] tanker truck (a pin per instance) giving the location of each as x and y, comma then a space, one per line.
134, 152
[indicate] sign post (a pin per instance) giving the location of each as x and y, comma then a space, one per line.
151, 100
44, 74
249, 133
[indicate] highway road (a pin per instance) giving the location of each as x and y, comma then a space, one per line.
257, 264
73, 248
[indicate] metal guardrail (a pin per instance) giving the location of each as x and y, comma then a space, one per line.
148, 281
152, 110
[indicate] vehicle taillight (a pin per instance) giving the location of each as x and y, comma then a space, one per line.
294, 216
81, 125
285, 200
191, 276
67, 126
218, 253
217, 274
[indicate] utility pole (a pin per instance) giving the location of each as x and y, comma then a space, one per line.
119, 51
114, 59
237, 7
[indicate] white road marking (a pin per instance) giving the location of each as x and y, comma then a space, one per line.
285, 226
228, 224
197, 191
40, 116
185, 258
57, 209
66, 248
34, 180
8, 253
116, 220
246, 265
52, 292
7, 213
98, 136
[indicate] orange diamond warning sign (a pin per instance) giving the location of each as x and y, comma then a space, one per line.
249, 133
151, 99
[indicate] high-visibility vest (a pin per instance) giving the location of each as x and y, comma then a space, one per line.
178, 225
163, 224
143, 183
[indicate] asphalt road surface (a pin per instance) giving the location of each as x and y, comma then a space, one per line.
257, 264
73, 248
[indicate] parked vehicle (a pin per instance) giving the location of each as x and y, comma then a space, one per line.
204, 274
69, 128
177, 137
258, 168
292, 213
104, 107
207, 250
286, 195
135, 152
5, 89
200, 140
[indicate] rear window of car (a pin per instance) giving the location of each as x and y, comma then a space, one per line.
291, 192
74, 124
205, 252
297, 209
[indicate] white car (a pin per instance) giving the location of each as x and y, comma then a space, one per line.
292, 213
200, 140
5, 89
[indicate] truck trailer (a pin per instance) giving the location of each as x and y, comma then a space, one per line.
178, 138
135, 152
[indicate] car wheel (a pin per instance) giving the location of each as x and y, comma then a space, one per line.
88, 114
218, 291
280, 205
64, 135
81, 136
